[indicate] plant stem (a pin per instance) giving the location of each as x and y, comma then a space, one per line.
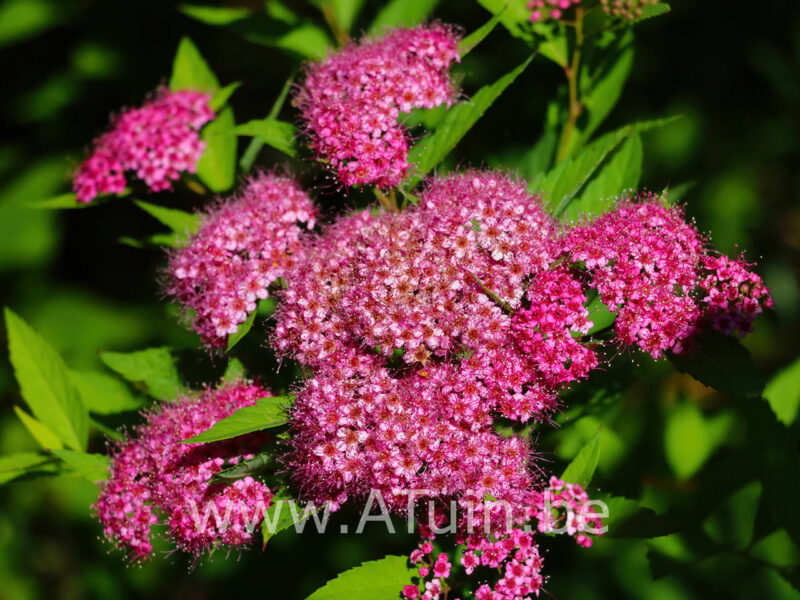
572, 71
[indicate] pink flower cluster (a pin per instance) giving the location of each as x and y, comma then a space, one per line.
734, 294
157, 141
153, 477
577, 517
643, 259
242, 247
350, 102
542, 10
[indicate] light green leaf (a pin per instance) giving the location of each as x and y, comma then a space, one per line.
515, 16
599, 314
346, 12
477, 36
92, 467
689, 439
278, 134
721, 362
152, 370
374, 580
234, 371
306, 40
214, 15
280, 516
13, 466
621, 172
68, 201
265, 414
190, 70
783, 393
434, 148
402, 13
217, 167
45, 383
40, 432
221, 97
105, 395
243, 330
582, 467
178, 221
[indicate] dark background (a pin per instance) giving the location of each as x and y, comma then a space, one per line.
730, 68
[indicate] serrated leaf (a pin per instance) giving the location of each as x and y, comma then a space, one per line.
93, 467
783, 393
40, 432
402, 13
152, 370
434, 148
621, 172
265, 414
721, 362
105, 395
221, 97
248, 467
214, 15
45, 383
476, 37
190, 70
374, 580
278, 134
582, 467
217, 166
280, 516
179, 221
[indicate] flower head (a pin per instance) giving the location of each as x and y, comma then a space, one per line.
242, 247
157, 142
351, 101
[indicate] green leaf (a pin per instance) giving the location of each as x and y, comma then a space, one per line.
243, 330
105, 395
221, 97
93, 467
280, 516
621, 172
721, 362
234, 371
214, 15
13, 466
278, 134
783, 393
40, 432
689, 439
582, 467
346, 12
179, 221
653, 10
477, 36
304, 39
152, 370
217, 166
45, 383
600, 315
433, 149
265, 414
68, 201
190, 70
402, 13
514, 16
252, 466
374, 580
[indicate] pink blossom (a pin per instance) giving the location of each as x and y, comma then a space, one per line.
350, 102
243, 246
153, 475
157, 142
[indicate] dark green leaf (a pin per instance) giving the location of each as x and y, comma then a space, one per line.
244, 329
282, 514
374, 580
514, 16
217, 167
265, 414
214, 15
433, 149
152, 370
255, 465
477, 36
721, 362
402, 13
45, 383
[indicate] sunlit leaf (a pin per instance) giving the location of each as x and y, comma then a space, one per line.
265, 414
190, 70
373, 580
40, 432
217, 166
92, 467
783, 393
278, 134
583, 466
152, 370
402, 13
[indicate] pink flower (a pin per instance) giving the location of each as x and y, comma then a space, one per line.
155, 475
351, 101
411, 592
157, 141
243, 246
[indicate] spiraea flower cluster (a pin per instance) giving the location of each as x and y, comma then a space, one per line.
243, 246
155, 142
155, 478
350, 103
542, 10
